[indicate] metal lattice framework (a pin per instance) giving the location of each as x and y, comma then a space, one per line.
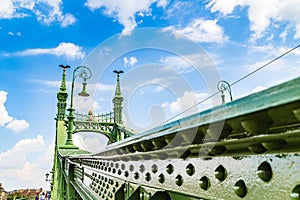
245, 149
103, 123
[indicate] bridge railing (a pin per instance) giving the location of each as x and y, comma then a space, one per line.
106, 117
254, 155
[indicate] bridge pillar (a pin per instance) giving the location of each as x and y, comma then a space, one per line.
71, 192
117, 100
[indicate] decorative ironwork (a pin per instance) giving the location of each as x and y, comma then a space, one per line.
222, 87
102, 123
117, 100
85, 73
106, 117
62, 95
255, 157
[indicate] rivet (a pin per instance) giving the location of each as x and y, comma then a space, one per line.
136, 175
264, 171
295, 195
220, 173
240, 188
190, 169
154, 168
204, 183
148, 176
161, 178
178, 180
126, 174
170, 169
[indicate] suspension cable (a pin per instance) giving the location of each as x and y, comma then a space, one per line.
235, 82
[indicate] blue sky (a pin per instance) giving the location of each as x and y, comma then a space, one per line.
195, 44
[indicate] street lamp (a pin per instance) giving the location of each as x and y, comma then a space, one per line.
222, 87
85, 73
47, 177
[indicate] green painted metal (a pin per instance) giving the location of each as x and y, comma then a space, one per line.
62, 96
63, 185
85, 73
245, 149
104, 124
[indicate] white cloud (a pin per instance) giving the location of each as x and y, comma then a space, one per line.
200, 30
125, 11
163, 3
273, 51
187, 102
69, 50
186, 63
18, 125
258, 89
263, 13
4, 117
18, 155
223, 6
129, 62
92, 142
84, 104
177, 63
12, 33
7, 9
26, 164
100, 87
8, 121
47, 11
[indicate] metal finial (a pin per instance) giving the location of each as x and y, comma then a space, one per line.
64, 66
118, 72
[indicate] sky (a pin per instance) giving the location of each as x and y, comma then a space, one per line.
173, 53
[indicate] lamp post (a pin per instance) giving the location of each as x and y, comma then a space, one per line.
47, 177
222, 87
85, 73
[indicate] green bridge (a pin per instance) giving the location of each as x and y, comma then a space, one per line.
243, 149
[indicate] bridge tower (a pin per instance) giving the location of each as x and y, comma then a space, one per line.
117, 100
61, 187
62, 96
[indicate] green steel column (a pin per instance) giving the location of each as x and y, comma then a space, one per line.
71, 193
62, 96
